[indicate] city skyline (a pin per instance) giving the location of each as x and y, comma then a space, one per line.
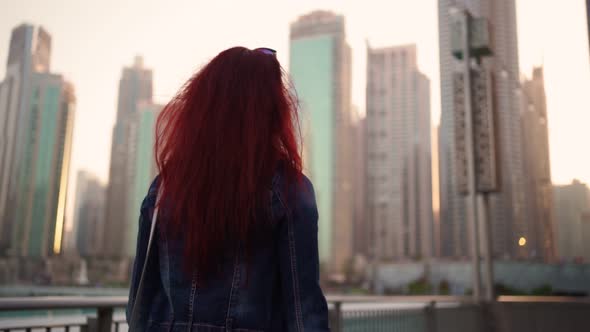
97, 108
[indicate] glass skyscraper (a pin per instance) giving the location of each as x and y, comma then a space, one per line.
44, 167
135, 86
320, 70
37, 110
14, 110
142, 166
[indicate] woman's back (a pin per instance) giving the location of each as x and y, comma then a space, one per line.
235, 243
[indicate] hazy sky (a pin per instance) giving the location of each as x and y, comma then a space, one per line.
93, 40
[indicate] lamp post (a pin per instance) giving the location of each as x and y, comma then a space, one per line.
474, 138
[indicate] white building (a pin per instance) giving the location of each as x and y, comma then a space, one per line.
399, 187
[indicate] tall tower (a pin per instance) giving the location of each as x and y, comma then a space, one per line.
14, 111
540, 241
135, 86
37, 117
320, 68
44, 167
506, 207
142, 166
361, 229
399, 185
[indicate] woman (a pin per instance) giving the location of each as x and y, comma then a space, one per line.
235, 243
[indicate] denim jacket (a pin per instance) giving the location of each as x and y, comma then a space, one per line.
277, 289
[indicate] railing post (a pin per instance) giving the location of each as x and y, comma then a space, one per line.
90, 325
104, 319
336, 317
430, 313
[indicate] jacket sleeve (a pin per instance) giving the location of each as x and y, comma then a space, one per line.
304, 304
147, 207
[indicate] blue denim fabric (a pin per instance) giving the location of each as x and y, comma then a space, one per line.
277, 289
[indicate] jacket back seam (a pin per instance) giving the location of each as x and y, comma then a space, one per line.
293, 261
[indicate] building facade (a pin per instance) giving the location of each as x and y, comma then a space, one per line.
320, 68
507, 208
89, 215
399, 184
142, 167
135, 86
572, 211
37, 110
14, 112
436, 251
539, 231
361, 229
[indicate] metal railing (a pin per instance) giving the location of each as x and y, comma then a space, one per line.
351, 314
102, 322
394, 313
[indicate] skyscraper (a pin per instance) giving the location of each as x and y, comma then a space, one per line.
572, 211
361, 229
43, 178
135, 86
37, 110
507, 206
399, 184
14, 111
539, 224
436, 251
142, 165
320, 69
89, 215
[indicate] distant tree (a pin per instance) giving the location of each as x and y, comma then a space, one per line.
544, 290
420, 287
502, 289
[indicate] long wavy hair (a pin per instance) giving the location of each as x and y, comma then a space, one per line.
218, 144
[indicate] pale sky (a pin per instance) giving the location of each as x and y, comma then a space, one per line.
93, 40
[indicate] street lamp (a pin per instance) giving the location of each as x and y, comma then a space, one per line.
474, 136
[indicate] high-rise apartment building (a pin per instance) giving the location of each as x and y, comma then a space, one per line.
399, 184
135, 86
507, 208
320, 67
572, 216
361, 230
142, 166
89, 215
539, 224
37, 119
